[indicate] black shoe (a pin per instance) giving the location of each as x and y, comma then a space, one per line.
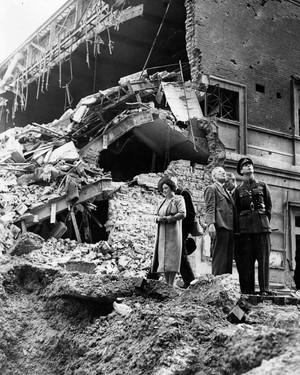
267, 293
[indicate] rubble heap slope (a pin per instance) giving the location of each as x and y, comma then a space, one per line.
57, 322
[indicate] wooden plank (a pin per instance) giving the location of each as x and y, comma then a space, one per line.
88, 192
74, 222
53, 213
23, 226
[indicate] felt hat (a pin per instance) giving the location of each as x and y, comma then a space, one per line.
163, 180
241, 162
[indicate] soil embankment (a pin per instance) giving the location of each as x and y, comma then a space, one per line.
56, 322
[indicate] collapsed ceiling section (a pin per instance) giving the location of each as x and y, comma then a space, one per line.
84, 48
160, 111
47, 170
53, 171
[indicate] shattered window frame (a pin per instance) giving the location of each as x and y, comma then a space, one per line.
222, 102
234, 132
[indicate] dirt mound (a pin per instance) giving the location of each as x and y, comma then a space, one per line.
55, 322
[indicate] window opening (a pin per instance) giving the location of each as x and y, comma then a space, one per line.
260, 88
222, 102
294, 234
296, 105
297, 221
298, 108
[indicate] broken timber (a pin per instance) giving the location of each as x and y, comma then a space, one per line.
74, 23
43, 211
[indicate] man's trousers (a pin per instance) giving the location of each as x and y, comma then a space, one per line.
222, 253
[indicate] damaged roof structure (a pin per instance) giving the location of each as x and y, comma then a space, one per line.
52, 175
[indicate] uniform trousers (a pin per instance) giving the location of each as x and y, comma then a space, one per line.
222, 253
249, 248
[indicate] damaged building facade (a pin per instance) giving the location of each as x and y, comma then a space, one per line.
244, 53
216, 81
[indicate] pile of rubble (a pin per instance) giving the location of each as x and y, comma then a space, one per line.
38, 165
43, 165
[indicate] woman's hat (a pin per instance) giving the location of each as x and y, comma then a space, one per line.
163, 180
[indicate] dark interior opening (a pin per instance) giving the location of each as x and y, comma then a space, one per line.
90, 222
129, 157
260, 88
221, 102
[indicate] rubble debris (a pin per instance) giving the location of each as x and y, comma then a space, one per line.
83, 323
236, 315
140, 282
122, 309
27, 243
51, 168
80, 266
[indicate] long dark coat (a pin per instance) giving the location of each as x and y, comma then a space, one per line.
168, 243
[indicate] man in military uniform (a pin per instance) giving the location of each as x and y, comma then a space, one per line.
253, 205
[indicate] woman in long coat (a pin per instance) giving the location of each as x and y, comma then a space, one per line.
168, 244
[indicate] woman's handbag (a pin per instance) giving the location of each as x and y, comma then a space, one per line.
197, 230
190, 246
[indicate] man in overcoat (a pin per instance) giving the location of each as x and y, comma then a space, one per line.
219, 209
253, 205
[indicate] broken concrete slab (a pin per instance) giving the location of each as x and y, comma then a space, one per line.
80, 266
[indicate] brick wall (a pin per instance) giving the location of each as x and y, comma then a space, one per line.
248, 42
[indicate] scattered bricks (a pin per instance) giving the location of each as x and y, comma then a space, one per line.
59, 229
139, 282
18, 157
236, 315
21, 208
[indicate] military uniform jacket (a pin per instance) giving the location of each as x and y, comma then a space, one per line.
253, 205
